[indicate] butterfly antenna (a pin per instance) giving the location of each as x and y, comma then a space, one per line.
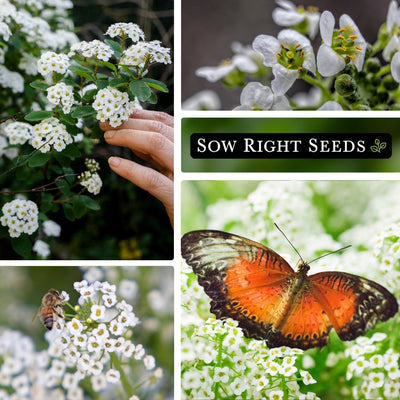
294, 248
331, 252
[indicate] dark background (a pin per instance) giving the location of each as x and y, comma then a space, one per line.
209, 27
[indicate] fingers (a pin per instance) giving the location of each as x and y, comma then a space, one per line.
158, 146
145, 120
148, 179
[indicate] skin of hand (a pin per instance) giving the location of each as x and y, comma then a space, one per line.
150, 135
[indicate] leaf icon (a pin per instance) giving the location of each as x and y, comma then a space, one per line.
383, 145
375, 149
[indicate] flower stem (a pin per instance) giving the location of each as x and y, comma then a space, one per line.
318, 83
128, 388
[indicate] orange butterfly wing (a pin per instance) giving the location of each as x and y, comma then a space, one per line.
252, 284
353, 304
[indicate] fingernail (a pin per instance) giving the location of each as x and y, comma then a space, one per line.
109, 134
114, 161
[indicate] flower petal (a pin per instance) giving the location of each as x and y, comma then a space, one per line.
326, 26
256, 94
213, 74
391, 17
284, 79
391, 47
286, 17
244, 63
331, 106
268, 47
395, 67
329, 63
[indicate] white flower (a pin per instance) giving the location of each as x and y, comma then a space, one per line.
95, 48
51, 228
339, 46
20, 216
331, 106
61, 94
392, 23
97, 312
256, 96
288, 55
52, 62
121, 29
376, 379
395, 67
275, 395
203, 100
75, 326
113, 376
146, 52
307, 378
149, 362
18, 132
289, 15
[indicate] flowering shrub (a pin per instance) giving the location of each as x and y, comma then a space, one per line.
318, 217
97, 351
343, 70
72, 87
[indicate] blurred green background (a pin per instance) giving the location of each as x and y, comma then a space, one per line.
290, 125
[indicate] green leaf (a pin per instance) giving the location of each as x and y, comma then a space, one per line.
83, 112
109, 65
152, 99
78, 67
39, 85
39, 159
140, 90
68, 119
69, 211
118, 82
71, 151
22, 245
156, 84
62, 159
89, 95
38, 115
117, 49
90, 203
79, 206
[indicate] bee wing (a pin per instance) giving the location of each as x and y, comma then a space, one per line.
37, 312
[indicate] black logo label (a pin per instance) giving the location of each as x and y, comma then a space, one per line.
290, 145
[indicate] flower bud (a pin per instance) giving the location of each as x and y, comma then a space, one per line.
345, 85
389, 83
375, 80
362, 107
373, 65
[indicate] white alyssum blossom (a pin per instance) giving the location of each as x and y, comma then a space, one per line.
18, 132
41, 248
289, 15
203, 100
50, 134
142, 53
90, 179
392, 26
20, 216
113, 106
395, 67
123, 30
244, 59
50, 62
256, 96
288, 55
51, 228
61, 94
94, 48
339, 46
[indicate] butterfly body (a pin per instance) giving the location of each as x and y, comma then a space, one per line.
254, 285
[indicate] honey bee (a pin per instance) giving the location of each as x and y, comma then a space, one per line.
51, 304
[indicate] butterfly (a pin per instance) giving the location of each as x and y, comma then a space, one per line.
254, 285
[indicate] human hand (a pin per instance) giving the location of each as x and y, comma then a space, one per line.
150, 135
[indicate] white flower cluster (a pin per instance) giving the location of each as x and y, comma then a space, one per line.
52, 62
18, 132
12, 80
95, 48
113, 106
257, 372
123, 30
41, 248
51, 228
90, 179
96, 338
62, 94
20, 216
50, 134
142, 52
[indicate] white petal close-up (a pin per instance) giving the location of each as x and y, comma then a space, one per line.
395, 67
329, 62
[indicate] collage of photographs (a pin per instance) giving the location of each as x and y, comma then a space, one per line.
199, 200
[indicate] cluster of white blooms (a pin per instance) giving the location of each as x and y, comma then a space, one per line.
113, 106
61, 94
51, 228
12, 80
146, 52
24, 372
20, 216
95, 48
18, 132
52, 62
123, 30
93, 342
90, 179
50, 134
41, 248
